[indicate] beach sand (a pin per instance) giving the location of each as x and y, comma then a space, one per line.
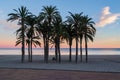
99, 67
29, 74
99, 63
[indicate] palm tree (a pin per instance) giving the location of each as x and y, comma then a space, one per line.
69, 36
56, 37
20, 15
48, 13
31, 22
89, 31
42, 29
81, 33
75, 20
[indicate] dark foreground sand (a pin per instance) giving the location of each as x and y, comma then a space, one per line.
29, 74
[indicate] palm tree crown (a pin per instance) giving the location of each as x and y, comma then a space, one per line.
47, 17
20, 15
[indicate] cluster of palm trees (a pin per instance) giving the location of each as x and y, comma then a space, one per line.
48, 25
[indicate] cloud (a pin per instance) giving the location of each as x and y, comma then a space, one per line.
107, 17
8, 25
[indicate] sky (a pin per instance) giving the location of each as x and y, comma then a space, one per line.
105, 13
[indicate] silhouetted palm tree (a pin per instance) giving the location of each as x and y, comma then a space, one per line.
31, 22
48, 13
69, 36
20, 15
81, 33
89, 31
35, 42
75, 20
56, 37
42, 29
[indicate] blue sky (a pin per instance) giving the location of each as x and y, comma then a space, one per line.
105, 13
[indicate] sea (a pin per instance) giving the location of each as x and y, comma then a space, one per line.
64, 51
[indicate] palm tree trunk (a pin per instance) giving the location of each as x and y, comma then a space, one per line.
76, 49
44, 40
81, 50
86, 49
59, 55
28, 52
70, 54
31, 51
23, 42
59, 50
56, 56
47, 50
47, 40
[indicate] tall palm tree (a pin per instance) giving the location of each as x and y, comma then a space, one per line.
42, 29
20, 15
69, 36
81, 33
75, 20
56, 37
89, 31
48, 13
31, 22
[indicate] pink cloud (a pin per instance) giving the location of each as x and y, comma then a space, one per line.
107, 17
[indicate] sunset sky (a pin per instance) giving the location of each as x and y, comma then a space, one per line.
105, 13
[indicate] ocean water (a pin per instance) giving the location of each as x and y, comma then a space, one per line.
64, 51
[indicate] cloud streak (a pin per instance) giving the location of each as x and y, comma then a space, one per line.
8, 25
107, 17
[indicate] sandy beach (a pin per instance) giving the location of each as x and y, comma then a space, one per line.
97, 63
99, 67
31, 74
